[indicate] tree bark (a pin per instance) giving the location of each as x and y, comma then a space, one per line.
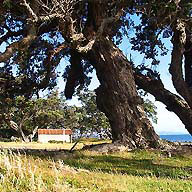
188, 60
117, 97
176, 70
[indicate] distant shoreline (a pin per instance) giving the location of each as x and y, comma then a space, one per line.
174, 134
184, 143
182, 138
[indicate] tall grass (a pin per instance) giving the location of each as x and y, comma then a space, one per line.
20, 173
138, 171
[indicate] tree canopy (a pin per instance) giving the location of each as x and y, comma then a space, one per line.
36, 34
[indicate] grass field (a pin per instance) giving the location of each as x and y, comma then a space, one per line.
136, 171
54, 146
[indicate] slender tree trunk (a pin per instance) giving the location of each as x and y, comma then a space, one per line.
17, 128
117, 97
13, 125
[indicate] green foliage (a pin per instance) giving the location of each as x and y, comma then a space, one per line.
149, 107
150, 110
51, 112
7, 3
92, 120
156, 23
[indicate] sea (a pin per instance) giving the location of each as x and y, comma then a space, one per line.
179, 138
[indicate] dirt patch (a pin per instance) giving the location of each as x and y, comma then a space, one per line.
181, 150
107, 148
169, 148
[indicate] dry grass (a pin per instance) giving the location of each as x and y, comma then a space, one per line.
22, 173
54, 146
36, 145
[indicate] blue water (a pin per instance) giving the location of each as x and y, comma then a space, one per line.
181, 138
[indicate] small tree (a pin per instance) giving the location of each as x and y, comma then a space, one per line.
92, 120
150, 110
26, 116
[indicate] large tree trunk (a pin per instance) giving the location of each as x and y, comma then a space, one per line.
117, 97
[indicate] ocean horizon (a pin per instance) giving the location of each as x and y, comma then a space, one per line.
177, 137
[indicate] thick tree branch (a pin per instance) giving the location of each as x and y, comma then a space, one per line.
19, 45
178, 41
104, 24
59, 49
188, 59
50, 17
173, 102
30, 10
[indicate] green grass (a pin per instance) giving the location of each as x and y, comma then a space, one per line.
137, 171
138, 163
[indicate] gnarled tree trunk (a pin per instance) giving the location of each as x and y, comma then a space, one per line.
117, 97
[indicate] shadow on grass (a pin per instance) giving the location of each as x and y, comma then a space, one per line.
134, 167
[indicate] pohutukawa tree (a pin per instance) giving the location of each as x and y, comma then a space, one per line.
36, 34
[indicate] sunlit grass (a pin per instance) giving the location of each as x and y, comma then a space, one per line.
36, 145
136, 163
137, 171
54, 146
